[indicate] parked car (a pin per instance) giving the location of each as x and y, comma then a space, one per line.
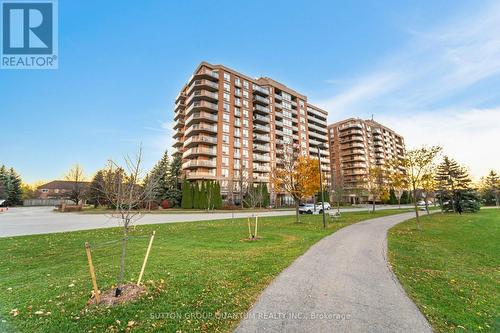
310, 209
422, 203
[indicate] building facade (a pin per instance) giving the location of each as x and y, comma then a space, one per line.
232, 128
355, 146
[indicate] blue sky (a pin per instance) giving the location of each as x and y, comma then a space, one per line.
428, 69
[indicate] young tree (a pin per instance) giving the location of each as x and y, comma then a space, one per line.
376, 181
217, 196
96, 193
428, 187
297, 175
338, 190
490, 188
419, 163
128, 193
451, 177
187, 195
397, 177
77, 178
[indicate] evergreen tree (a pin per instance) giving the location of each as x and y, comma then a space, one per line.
14, 190
393, 200
3, 183
490, 189
173, 190
196, 196
451, 179
96, 194
187, 195
210, 195
203, 195
160, 174
266, 199
217, 196
404, 198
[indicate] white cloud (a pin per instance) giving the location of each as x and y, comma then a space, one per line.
437, 67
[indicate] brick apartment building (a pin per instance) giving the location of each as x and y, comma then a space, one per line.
355, 145
230, 127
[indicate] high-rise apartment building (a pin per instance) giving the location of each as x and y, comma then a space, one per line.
232, 128
355, 146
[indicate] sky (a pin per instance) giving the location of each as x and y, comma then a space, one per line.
430, 70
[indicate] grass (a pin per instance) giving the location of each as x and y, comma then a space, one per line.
195, 269
451, 269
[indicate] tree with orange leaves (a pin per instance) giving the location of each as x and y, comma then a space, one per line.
296, 175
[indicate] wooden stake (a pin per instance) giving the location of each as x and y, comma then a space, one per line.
249, 229
92, 273
256, 221
146, 258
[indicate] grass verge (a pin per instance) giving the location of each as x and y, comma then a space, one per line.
201, 277
451, 269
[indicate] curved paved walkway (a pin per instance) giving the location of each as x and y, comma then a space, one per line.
341, 284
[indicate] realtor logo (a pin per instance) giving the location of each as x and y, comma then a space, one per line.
29, 34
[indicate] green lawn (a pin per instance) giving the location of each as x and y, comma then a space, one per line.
452, 269
194, 268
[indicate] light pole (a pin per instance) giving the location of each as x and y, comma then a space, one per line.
321, 186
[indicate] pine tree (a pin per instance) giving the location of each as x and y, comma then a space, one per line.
97, 195
210, 195
174, 192
187, 195
490, 188
160, 174
451, 178
217, 196
3, 183
266, 199
392, 197
203, 195
15, 192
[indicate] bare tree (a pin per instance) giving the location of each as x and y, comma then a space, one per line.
338, 190
127, 192
78, 188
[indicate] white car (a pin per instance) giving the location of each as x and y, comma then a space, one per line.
309, 208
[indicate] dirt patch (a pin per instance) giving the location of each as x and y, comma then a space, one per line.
251, 239
130, 292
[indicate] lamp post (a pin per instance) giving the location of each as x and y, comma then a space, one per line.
321, 186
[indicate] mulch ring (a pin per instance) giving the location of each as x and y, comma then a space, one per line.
252, 239
130, 292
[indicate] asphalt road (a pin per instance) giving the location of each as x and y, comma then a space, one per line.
341, 284
43, 220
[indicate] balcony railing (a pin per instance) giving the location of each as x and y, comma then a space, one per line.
201, 116
257, 118
202, 105
263, 109
261, 99
199, 151
200, 139
260, 128
200, 175
199, 164
258, 157
261, 90
260, 137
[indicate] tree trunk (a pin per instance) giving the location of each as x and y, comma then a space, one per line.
124, 249
419, 227
399, 202
297, 212
373, 205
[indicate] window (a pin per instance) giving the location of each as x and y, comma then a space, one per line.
245, 122
287, 114
225, 116
245, 103
286, 96
237, 101
245, 152
245, 133
287, 122
44, 190
286, 105
225, 138
225, 161
226, 97
226, 107
245, 94
245, 113
225, 172
225, 149
245, 143
245, 84
237, 132
227, 77
227, 86
237, 81
225, 128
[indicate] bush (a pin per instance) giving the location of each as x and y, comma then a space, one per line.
165, 204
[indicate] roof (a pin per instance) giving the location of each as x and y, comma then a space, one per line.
61, 185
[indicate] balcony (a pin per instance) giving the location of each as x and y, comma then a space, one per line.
179, 124
354, 152
199, 164
199, 128
260, 168
260, 138
261, 119
261, 148
260, 179
204, 139
261, 100
200, 175
201, 117
353, 165
260, 90
261, 158
197, 151
261, 109
202, 94
351, 132
203, 84
206, 73
350, 125
202, 106
352, 145
260, 129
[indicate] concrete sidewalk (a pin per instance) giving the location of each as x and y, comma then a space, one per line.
341, 284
